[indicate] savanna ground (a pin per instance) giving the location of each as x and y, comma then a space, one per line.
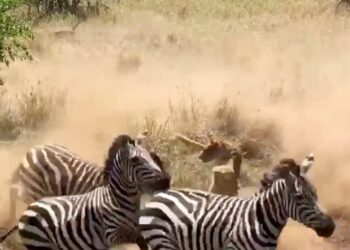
269, 76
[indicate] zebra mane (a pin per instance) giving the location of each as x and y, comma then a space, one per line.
282, 170
157, 160
118, 143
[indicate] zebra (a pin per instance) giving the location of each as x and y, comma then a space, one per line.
102, 218
187, 219
53, 170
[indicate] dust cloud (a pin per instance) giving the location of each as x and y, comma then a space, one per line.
296, 76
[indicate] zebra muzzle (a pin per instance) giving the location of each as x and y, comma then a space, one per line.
326, 228
162, 184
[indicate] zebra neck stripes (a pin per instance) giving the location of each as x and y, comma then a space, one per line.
264, 217
273, 204
122, 193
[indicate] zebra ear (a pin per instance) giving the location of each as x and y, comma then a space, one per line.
307, 163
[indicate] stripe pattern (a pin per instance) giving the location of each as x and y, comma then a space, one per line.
103, 217
54, 170
188, 219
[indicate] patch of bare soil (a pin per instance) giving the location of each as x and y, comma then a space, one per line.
340, 239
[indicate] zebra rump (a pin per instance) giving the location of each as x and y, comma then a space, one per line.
53, 170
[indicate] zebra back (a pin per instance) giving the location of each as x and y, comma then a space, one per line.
51, 170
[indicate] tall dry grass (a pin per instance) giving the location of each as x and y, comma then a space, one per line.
28, 110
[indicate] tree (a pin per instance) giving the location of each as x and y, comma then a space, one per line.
13, 33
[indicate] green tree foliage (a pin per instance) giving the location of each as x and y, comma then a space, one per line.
82, 9
13, 32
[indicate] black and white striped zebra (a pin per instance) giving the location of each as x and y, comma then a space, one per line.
102, 218
194, 220
53, 170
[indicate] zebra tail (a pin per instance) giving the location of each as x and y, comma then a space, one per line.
8, 233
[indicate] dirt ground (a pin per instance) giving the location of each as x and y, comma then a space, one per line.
341, 240
296, 76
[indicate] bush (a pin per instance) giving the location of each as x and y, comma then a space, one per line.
9, 122
28, 110
79, 8
36, 106
12, 33
260, 140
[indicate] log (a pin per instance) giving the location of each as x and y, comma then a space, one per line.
224, 181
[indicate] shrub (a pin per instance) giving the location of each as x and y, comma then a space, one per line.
29, 110
260, 140
37, 105
9, 122
79, 8
12, 33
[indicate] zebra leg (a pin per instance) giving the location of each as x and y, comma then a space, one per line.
161, 242
127, 236
13, 202
13, 196
163, 245
17, 193
141, 243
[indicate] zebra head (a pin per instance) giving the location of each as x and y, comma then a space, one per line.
285, 166
304, 206
138, 167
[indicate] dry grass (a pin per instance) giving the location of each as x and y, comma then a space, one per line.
259, 140
284, 61
28, 110
242, 11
